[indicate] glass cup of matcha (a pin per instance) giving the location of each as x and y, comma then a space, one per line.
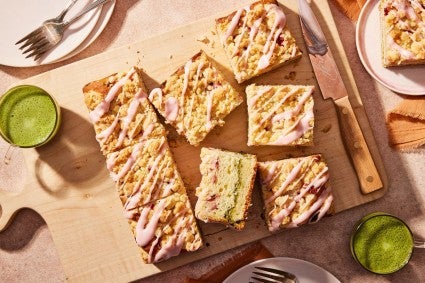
29, 117
382, 243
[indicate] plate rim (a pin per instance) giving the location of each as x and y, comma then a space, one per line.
295, 260
365, 11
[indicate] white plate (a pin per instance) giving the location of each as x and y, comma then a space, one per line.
405, 79
306, 272
105, 15
18, 18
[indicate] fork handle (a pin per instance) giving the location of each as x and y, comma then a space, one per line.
86, 10
65, 11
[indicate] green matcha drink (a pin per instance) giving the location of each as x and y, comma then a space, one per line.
382, 243
29, 116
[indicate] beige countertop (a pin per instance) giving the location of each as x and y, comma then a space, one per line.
27, 253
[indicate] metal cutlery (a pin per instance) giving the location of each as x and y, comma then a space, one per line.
272, 275
51, 32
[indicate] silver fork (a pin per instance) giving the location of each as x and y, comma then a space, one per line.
51, 33
272, 275
37, 31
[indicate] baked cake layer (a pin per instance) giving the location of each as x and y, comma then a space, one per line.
165, 228
280, 115
256, 39
195, 99
120, 111
144, 173
403, 32
295, 191
224, 194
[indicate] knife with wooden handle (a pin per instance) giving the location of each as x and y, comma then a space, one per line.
332, 86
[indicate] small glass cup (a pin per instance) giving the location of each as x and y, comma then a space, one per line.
29, 117
382, 243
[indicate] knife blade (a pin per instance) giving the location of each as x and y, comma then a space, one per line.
332, 86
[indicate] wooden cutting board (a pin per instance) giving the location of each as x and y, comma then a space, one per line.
68, 184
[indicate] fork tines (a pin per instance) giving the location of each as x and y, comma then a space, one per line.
272, 275
34, 44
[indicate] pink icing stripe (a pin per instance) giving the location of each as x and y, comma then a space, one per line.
300, 127
278, 105
264, 60
288, 114
130, 161
135, 197
317, 204
270, 174
145, 228
260, 93
210, 95
156, 91
185, 84
104, 135
277, 219
171, 109
103, 106
289, 179
403, 52
279, 23
238, 42
175, 243
131, 113
233, 24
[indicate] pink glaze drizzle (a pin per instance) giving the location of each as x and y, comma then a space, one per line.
136, 195
156, 91
131, 113
145, 228
233, 24
300, 127
260, 93
171, 109
279, 24
289, 179
277, 106
288, 114
210, 95
317, 204
103, 136
129, 163
104, 105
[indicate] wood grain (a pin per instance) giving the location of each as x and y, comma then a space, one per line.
68, 184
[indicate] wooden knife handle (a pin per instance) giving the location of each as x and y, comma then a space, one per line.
356, 145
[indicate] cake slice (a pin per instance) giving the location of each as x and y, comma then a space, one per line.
164, 228
120, 111
256, 39
144, 173
403, 32
295, 191
280, 115
224, 194
195, 99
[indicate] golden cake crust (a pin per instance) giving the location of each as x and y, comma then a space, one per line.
295, 191
280, 114
127, 116
195, 99
403, 32
256, 39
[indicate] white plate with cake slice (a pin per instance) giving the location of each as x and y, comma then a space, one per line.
408, 80
304, 271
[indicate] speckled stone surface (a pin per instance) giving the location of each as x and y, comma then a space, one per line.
27, 253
